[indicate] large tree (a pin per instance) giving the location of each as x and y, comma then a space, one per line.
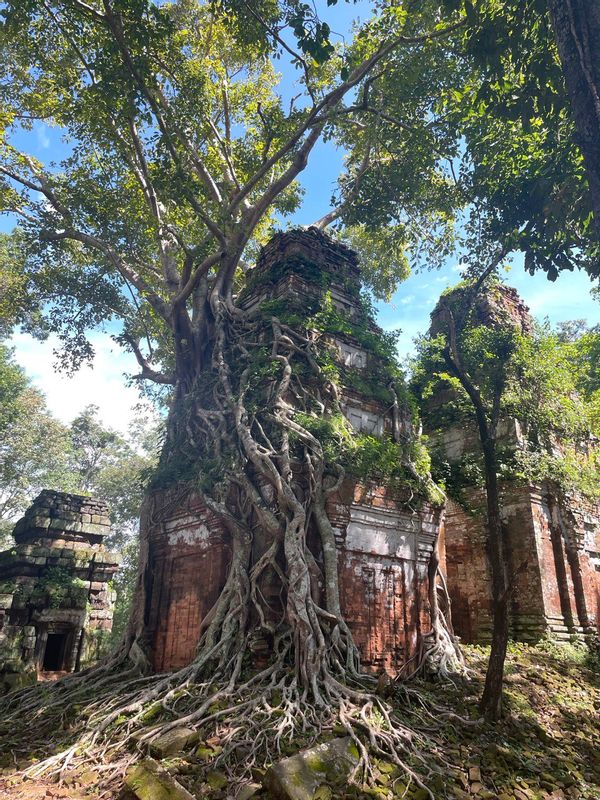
182, 156
183, 153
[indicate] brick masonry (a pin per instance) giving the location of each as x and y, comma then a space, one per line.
553, 546
56, 603
190, 554
384, 544
383, 553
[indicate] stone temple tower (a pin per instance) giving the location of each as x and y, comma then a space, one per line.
56, 602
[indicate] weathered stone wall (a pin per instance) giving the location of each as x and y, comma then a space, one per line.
55, 596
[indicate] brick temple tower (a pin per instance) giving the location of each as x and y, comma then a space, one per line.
384, 537
552, 536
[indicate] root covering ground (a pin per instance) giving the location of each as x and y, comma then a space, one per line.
548, 745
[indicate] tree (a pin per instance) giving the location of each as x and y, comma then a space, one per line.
95, 448
497, 365
477, 362
184, 155
584, 358
530, 143
503, 133
34, 446
577, 31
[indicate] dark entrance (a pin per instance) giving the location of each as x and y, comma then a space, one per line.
54, 654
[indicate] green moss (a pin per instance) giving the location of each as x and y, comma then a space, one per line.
456, 478
311, 271
59, 588
315, 762
329, 320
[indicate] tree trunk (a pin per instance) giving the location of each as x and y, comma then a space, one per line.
487, 426
491, 701
577, 31
234, 440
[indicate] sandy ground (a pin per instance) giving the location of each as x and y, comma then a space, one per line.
40, 790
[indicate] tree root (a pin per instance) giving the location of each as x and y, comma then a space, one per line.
251, 724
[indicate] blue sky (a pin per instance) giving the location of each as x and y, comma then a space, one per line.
409, 309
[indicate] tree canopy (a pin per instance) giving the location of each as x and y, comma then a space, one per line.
184, 152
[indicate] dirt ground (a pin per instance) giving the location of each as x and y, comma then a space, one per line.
41, 790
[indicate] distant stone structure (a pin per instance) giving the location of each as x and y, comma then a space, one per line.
552, 537
56, 603
384, 541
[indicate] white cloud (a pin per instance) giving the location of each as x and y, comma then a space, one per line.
41, 133
102, 383
406, 300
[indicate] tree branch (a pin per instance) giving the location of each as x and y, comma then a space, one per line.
147, 372
158, 304
335, 213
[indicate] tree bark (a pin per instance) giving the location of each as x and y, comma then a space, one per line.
577, 31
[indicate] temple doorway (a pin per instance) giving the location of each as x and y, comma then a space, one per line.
54, 653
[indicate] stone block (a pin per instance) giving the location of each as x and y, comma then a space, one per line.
298, 777
173, 742
92, 529
149, 781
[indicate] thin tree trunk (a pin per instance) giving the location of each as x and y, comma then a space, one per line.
487, 426
491, 701
577, 31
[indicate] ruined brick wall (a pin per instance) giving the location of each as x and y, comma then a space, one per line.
55, 596
552, 538
189, 555
553, 553
383, 554
384, 549
467, 574
498, 305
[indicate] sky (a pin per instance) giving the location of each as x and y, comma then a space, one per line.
104, 382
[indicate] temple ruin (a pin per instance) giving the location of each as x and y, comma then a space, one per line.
56, 600
384, 537
55, 595
552, 535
